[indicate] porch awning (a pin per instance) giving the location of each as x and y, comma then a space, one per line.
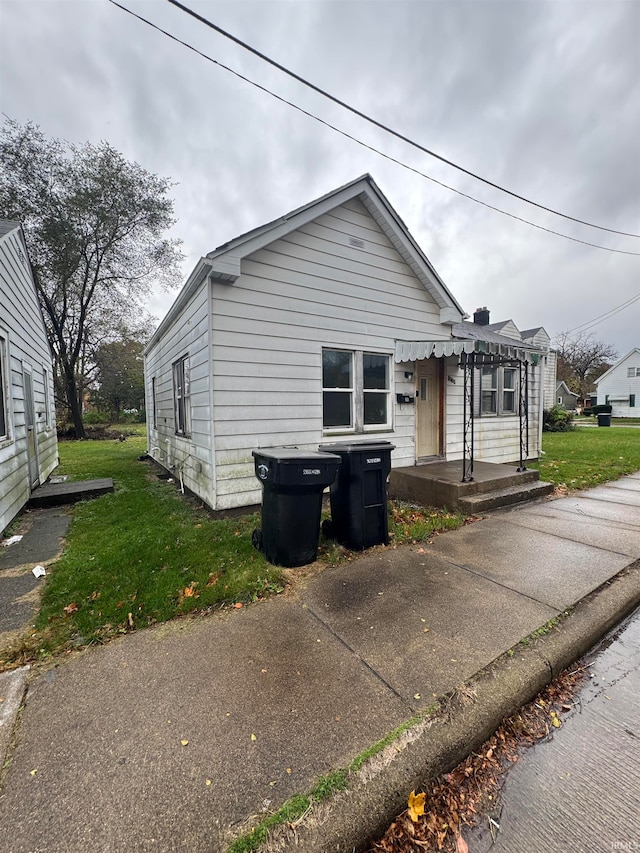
417, 350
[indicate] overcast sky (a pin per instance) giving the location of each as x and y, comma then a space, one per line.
543, 98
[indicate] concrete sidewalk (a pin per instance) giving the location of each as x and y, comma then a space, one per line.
172, 738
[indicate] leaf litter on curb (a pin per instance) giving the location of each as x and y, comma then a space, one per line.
460, 798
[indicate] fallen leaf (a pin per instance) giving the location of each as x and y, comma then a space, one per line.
207, 781
463, 847
184, 742
238, 605
416, 695
188, 591
33, 772
253, 737
416, 805
71, 608
289, 770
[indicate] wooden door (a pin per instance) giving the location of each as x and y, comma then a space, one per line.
427, 409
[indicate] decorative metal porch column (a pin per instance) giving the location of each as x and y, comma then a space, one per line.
523, 411
468, 364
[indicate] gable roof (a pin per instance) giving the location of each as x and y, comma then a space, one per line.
7, 225
567, 390
617, 364
224, 263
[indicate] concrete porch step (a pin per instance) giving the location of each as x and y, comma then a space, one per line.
57, 494
508, 496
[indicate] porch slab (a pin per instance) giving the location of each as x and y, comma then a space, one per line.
58, 494
440, 483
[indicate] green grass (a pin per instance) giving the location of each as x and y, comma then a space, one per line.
144, 551
586, 457
146, 554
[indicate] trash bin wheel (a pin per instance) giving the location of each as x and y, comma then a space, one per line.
256, 539
327, 528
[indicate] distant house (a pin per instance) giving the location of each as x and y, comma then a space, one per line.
537, 338
565, 397
620, 386
331, 323
28, 442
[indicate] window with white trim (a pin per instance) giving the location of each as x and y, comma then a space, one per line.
356, 391
48, 415
499, 391
154, 405
4, 398
182, 396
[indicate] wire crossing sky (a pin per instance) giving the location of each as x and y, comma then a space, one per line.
541, 97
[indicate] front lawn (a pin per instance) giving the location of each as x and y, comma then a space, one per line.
146, 554
586, 457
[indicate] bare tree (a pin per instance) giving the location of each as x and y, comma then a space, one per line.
582, 359
94, 225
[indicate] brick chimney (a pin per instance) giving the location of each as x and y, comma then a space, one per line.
481, 316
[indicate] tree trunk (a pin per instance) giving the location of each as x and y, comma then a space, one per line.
75, 405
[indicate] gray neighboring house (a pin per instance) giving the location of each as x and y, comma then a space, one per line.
565, 397
28, 439
331, 323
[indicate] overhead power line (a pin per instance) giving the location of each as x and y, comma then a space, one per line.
607, 315
364, 144
382, 126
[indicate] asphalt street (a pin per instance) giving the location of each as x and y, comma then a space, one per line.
580, 791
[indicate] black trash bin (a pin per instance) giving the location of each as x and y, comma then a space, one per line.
292, 481
604, 420
359, 493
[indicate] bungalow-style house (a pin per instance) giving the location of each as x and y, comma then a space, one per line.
565, 397
28, 440
328, 324
620, 386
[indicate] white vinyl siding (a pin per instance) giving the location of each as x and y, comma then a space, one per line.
309, 291
620, 386
187, 457
24, 343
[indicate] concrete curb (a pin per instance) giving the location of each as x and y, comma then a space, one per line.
352, 820
12, 688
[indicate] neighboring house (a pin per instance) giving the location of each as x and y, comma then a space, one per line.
565, 397
330, 324
28, 442
620, 386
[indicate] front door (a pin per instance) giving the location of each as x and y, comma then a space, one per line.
428, 409
32, 439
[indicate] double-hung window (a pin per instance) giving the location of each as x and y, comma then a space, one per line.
498, 390
509, 386
356, 391
182, 396
489, 393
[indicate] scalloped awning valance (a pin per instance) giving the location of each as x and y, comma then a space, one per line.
418, 350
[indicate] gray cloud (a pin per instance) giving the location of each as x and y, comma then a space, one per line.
543, 97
